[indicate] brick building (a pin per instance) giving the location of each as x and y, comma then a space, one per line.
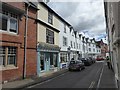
103, 46
12, 30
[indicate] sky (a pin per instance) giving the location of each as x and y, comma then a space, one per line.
86, 16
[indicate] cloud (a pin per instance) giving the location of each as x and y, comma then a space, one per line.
84, 15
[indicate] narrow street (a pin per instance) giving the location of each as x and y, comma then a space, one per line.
87, 78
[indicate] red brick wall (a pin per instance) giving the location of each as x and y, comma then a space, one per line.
19, 5
18, 41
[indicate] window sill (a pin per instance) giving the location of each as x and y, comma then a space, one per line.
9, 67
9, 33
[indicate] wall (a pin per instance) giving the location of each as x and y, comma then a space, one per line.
18, 41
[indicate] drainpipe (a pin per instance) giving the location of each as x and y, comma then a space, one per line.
25, 42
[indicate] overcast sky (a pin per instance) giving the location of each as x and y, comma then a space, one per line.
86, 16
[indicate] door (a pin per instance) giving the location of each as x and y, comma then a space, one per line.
47, 61
42, 61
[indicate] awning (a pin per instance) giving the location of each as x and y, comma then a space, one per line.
48, 47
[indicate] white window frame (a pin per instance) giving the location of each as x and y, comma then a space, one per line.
64, 41
8, 24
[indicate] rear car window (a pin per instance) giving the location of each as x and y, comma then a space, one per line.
72, 62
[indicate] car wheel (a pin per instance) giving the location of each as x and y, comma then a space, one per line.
69, 69
84, 67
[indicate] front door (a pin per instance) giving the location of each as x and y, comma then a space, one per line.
47, 61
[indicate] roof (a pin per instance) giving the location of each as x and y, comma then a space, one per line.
54, 13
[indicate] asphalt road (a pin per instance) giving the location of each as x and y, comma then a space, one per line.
87, 78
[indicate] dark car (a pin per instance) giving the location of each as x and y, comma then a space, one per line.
76, 65
92, 59
86, 61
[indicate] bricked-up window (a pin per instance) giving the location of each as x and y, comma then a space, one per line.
9, 22
49, 36
8, 56
50, 18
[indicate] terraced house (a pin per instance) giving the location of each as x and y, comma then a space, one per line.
17, 17
47, 40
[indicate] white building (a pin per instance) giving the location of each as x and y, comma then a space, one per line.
64, 42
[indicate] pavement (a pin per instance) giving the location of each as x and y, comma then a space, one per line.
20, 84
106, 79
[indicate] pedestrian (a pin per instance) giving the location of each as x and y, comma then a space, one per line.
108, 62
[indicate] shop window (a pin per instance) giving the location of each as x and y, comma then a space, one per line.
63, 57
53, 59
42, 57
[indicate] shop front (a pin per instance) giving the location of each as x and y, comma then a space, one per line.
48, 58
63, 59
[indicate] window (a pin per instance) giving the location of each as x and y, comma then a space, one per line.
9, 22
74, 44
13, 25
53, 59
89, 44
42, 57
49, 36
90, 49
77, 45
2, 56
71, 45
97, 50
64, 41
72, 33
64, 28
93, 50
63, 57
7, 56
50, 18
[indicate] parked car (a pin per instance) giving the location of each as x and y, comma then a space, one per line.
86, 61
76, 65
92, 59
99, 58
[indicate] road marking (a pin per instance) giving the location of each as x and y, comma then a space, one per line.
92, 84
47, 80
98, 85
